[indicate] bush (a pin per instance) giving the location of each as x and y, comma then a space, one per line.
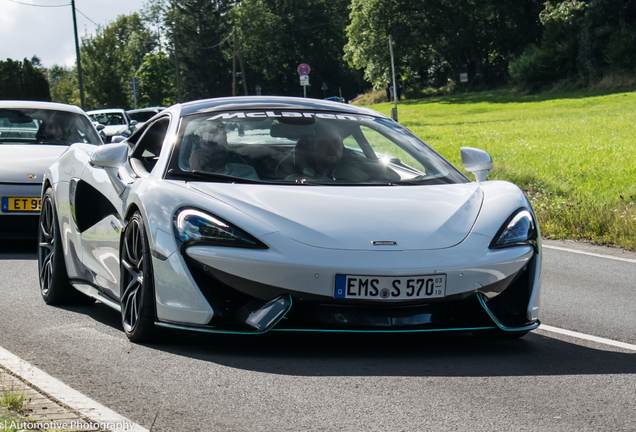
525, 70
372, 97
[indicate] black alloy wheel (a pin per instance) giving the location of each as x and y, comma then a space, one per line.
54, 283
137, 287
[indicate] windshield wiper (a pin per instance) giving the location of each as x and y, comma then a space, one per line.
211, 176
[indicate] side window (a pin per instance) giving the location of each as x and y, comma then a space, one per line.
386, 149
149, 145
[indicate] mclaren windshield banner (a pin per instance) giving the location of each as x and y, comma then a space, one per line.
289, 114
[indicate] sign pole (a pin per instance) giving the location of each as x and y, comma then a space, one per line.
394, 114
303, 71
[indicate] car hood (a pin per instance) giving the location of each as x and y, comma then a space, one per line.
17, 162
343, 217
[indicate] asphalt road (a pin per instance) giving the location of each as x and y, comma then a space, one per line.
327, 382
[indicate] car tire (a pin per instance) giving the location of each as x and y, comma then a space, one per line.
137, 283
54, 282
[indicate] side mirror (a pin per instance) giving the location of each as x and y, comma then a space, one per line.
100, 127
476, 161
117, 138
134, 122
111, 158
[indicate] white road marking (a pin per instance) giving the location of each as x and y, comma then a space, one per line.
588, 337
84, 405
630, 260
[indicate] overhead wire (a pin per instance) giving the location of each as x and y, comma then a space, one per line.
37, 5
214, 46
84, 15
60, 5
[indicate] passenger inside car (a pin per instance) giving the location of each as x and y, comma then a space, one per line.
209, 151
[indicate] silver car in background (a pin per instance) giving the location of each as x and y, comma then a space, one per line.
115, 121
32, 136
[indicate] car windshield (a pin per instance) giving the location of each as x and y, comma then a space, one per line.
42, 126
108, 119
304, 148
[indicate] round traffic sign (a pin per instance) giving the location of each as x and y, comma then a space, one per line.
304, 69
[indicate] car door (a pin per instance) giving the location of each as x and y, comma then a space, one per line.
99, 214
105, 206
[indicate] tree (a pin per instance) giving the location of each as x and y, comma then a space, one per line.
278, 35
581, 39
23, 81
194, 29
156, 80
437, 39
111, 57
63, 84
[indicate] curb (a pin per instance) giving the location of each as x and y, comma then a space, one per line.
43, 411
54, 402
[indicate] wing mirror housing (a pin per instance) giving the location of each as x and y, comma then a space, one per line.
111, 158
477, 162
117, 138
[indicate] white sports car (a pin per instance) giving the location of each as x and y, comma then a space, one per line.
32, 136
255, 214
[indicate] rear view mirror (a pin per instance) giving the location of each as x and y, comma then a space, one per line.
476, 161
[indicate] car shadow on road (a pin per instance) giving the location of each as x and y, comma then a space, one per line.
448, 354
26, 249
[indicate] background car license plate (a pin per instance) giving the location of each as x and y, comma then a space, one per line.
21, 204
390, 288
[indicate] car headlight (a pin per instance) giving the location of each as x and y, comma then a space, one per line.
519, 229
196, 227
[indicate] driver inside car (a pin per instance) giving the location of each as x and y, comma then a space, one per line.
50, 132
211, 153
333, 161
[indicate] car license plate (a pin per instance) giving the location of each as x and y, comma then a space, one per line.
390, 288
22, 204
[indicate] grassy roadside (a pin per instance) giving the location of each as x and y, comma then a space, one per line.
573, 154
12, 404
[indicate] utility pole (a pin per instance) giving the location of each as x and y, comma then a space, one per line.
238, 50
234, 65
77, 55
394, 114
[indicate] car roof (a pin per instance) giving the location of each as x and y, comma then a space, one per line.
272, 102
147, 109
40, 105
106, 111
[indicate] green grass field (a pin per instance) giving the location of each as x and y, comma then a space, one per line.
573, 154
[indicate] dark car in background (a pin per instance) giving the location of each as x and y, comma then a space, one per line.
142, 115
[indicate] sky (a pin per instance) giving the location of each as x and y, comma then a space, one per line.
47, 32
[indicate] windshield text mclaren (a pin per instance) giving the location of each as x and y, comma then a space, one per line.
289, 114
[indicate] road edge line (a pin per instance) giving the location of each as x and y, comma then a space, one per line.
56, 389
594, 254
587, 337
